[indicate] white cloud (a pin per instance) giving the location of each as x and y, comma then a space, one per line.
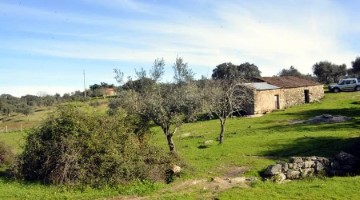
271, 37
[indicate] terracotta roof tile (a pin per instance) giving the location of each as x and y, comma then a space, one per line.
288, 81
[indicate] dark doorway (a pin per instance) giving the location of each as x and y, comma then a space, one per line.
307, 96
277, 102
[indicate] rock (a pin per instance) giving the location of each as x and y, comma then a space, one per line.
273, 170
335, 165
285, 167
342, 164
323, 160
296, 159
319, 167
313, 158
207, 142
293, 174
346, 158
309, 164
298, 165
347, 168
327, 116
279, 178
291, 165
307, 172
176, 169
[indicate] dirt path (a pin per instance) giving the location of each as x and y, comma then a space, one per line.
208, 187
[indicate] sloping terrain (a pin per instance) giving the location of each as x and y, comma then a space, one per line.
251, 144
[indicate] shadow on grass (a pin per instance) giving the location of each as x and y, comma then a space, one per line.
353, 124
316, 146
348, 112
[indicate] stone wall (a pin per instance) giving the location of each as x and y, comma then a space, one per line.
301, 167
264, 101
296, 96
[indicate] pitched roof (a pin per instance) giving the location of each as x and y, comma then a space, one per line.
262, 86
288, 81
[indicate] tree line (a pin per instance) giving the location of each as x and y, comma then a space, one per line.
76, 147
326, 72
184, 99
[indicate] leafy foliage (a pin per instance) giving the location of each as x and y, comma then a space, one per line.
356, 66
327, 72
230, 71
6, 154
74, 147
292, 71
182, 73
224, 97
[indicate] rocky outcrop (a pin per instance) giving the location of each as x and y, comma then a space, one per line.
300, 167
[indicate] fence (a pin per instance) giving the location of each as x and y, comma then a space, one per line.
6, 129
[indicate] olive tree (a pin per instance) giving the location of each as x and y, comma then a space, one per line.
223, 98
167, 105
356, 66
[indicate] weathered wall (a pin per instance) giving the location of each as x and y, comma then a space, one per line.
264, 101
296, 96
299, 167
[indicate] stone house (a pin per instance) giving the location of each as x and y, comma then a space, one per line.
109, 92
273, 93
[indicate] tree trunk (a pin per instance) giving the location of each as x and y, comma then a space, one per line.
170, 142
222, 130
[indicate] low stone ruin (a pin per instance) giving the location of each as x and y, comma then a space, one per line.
324, 118
301, 167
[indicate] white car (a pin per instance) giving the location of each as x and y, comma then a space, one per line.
348, 84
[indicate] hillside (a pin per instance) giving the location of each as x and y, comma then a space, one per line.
250, 145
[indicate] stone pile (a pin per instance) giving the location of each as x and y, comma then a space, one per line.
301, 167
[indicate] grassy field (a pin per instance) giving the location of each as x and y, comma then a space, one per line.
250, 143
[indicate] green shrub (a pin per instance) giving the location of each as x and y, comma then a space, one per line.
6, 154
74, 147
95, 103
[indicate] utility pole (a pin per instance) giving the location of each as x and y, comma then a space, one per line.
84, 86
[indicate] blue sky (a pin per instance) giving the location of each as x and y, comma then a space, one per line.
46, 44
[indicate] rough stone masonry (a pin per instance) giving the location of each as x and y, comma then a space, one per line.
301, 167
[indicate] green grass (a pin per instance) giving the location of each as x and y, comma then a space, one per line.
36, 191
250, 142
329, 188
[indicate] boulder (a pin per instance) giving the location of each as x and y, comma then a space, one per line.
279, 178
296, 159
291, 165
307, 172
273, 170
285, 167
346, 158
308, 164
293, 174
176, 169
319, 167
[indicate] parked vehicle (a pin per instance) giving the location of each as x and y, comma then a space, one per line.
348, 84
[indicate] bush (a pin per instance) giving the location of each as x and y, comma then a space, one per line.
74, 147
6, 154
95, 103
